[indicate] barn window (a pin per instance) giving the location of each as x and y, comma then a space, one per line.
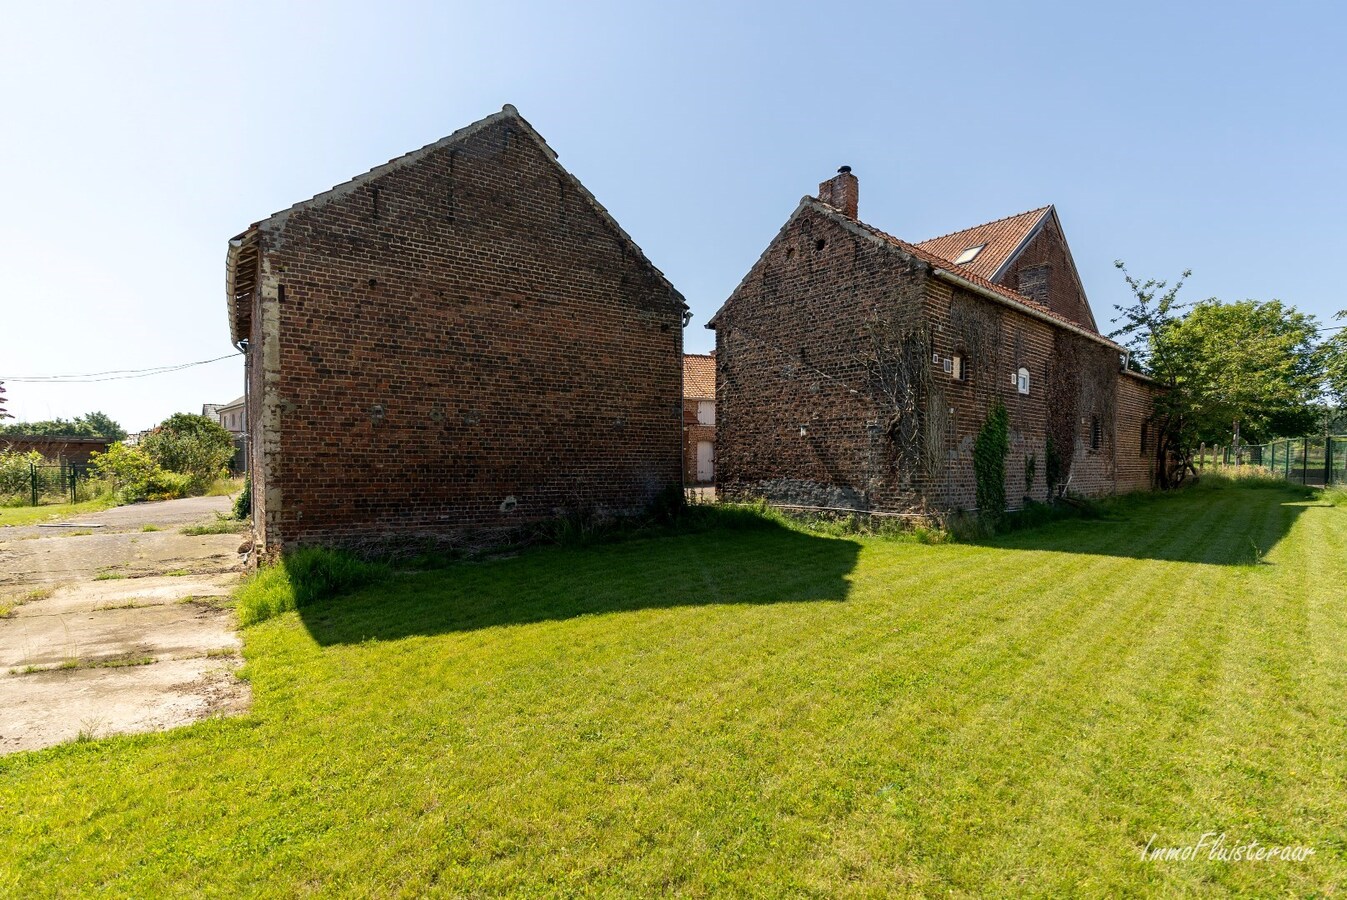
959, 367
1096, 433
706, 412
1022, 380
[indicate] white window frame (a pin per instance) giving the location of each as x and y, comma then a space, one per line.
1022, 380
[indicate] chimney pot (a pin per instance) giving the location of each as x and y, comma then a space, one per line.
842, 192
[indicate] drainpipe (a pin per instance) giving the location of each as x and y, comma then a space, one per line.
242, 347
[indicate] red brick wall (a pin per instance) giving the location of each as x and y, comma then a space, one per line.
787, 356
1136, 462
71, 449
461, 343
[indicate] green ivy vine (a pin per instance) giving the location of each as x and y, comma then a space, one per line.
990, 450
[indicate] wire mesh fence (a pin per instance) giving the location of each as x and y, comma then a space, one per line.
1315, 461
61, 482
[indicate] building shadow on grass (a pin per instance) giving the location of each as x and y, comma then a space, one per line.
1223, 527
761, 564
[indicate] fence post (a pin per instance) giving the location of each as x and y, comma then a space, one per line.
1328, 461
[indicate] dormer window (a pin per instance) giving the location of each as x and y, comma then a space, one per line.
969, 255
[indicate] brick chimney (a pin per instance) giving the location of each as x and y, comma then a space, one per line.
842, 191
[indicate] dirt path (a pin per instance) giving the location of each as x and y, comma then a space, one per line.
112, 627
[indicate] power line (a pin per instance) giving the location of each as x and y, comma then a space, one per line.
112, 374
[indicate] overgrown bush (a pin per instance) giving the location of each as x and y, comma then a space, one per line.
243, 503
191, 445
134, 476
303, 577
16, 473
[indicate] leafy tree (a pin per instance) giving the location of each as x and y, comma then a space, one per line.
1334, 353
1251, 362
103, 425
1147, 325
192, 445
94, 424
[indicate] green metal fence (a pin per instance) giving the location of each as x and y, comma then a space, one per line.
1315, 461
57, 483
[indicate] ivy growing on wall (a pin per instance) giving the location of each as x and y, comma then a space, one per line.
1053, 468
990, 450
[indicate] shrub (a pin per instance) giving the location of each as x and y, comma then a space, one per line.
303, 577
243, 503
16, 473
191, 445
128, 469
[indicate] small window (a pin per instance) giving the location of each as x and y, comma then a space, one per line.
969, 255
1022, 380
1096, 433
706, 412
1145, 436
949, 366
959, 368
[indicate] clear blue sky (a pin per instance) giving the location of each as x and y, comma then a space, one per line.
138, 138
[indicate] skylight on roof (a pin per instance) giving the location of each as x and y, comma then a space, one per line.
969, 255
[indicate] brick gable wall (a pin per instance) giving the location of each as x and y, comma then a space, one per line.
462, 343
788, 356
1044, 271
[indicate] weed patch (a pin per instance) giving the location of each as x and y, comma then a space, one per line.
306, 576
220, 525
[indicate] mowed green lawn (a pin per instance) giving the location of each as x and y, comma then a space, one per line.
757, 712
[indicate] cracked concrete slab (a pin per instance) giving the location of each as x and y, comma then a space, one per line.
103, 640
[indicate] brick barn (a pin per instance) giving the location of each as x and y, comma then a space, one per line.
462, 340
855, 370
699, 419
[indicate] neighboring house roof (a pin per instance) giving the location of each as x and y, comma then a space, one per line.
242, 261
699, 377
1001, 242
941, 268
238, 401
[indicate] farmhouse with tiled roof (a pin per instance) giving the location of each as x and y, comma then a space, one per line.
855, 370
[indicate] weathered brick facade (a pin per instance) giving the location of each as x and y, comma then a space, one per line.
460, 340
855, 371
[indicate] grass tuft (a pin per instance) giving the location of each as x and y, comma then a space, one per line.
305, 576
220, 525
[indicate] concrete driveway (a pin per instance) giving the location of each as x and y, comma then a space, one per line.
114, 625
